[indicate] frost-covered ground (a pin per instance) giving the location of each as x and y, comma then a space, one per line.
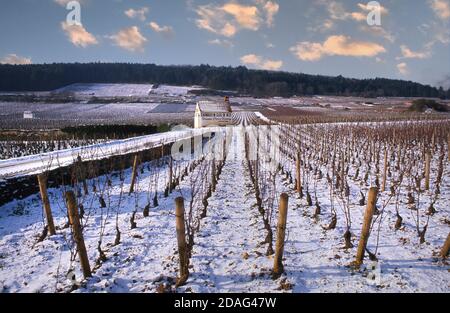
59, 115
125, 90
174, 90
108, 90
228, 255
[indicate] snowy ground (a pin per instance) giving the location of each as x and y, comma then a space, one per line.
316, 260
125, 90
108, 90
228, 255
173, 90
57, 115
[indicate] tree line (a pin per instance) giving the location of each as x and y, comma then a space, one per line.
46, 77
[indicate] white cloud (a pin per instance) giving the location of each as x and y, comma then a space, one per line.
14, 59
231, 17
407, 53
137, 13
336, 45
369, 8
64, 2
214, 20
358, 16
271, 9
441, 8
403, 68
271, 65
337, 11
246, 16
379, 32
437, 31
165, 30
308, 51
322, 27
251, 59
78, 35
130, 39
221, 42
261, 63
442, 35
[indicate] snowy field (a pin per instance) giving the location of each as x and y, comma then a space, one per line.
125, 90
174, 91
229, 254
55, 116
107, 90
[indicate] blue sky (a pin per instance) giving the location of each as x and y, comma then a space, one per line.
314, 37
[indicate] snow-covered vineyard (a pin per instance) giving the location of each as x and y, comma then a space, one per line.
231, 192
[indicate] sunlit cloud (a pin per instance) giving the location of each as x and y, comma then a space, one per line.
323, 27
231, 17
369, 8
14, 59
438, 32
337, 11
214, 20
78, 35
378, 31
251, 59
441, 8
271, 9
403, 68
407, 53
65, 2
358, 16
137, 13
271, 65
259, 62
308, 51
164, 30
246, 16
336, 46
221, 42
130, 39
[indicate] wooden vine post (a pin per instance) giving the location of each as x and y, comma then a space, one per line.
42, 179
134, 174
448, 147
298, 177
427, 169
368, 216
181, 238
278, 267
170, 174
213, 175
82, 175
445, 248
74, 219
383, 185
